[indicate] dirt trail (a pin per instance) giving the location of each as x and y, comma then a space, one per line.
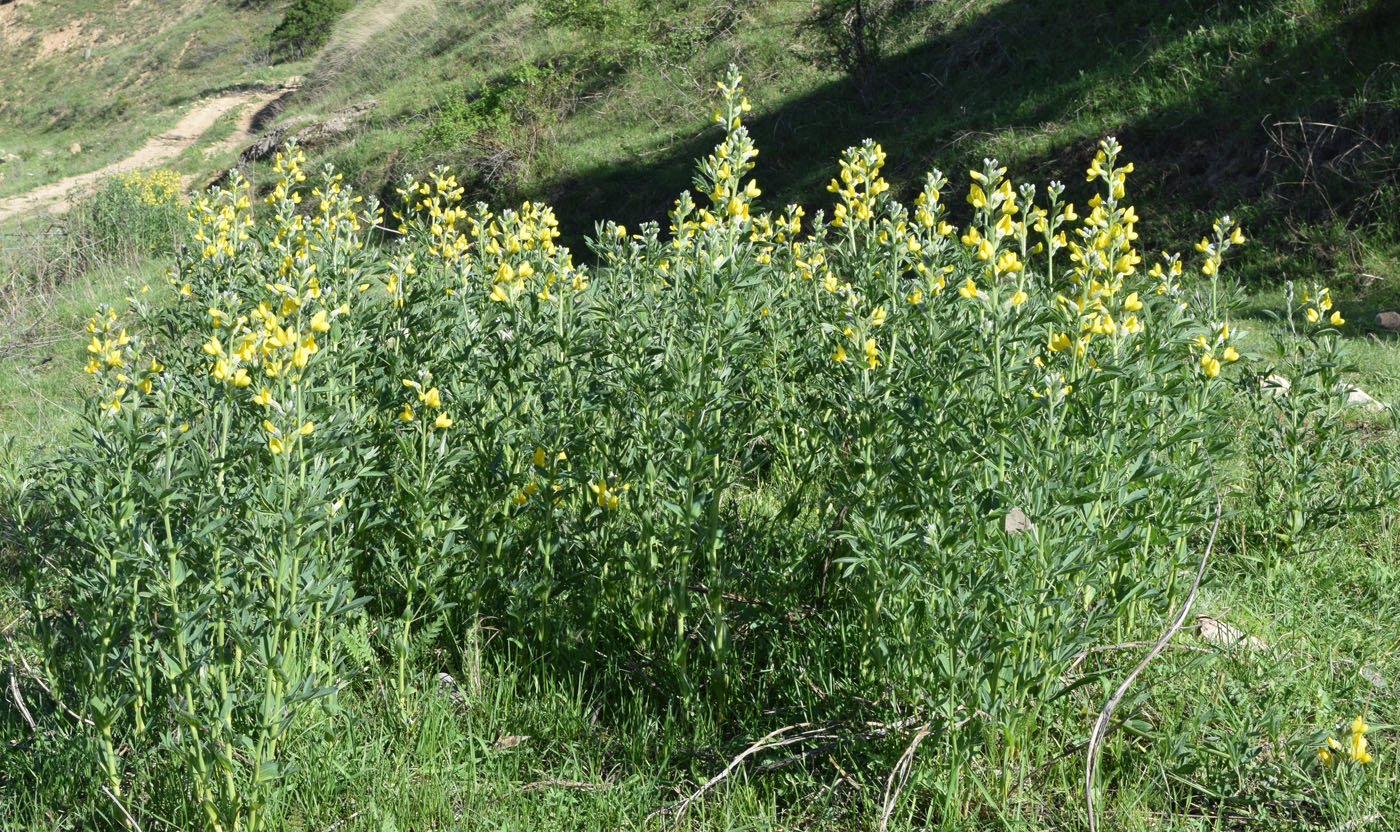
57, 197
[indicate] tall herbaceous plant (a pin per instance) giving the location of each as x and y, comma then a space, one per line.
863, 462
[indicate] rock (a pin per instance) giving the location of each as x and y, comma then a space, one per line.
507, 743
450, 687
1358, 397
1217, 632
75, 148
1389, 321
1274, 386
1017, 521
307, 131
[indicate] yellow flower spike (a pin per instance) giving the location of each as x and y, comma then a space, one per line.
406, 415
1337, 319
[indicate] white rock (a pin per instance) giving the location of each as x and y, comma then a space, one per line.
1274, 386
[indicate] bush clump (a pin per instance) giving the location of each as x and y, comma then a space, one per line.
864, 468
306, 26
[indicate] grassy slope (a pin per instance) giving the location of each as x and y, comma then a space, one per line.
147, 60
997, 78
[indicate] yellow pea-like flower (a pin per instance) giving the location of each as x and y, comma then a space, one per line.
442, 421
840, 355
406, 415
969, 289
320, 322
1337, 319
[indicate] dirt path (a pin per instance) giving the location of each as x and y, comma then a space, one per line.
57, 197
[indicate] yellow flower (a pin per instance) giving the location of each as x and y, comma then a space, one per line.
840, 354
969, 289
1327, 753
1337, 319
320, 322
520, 499
498, 293
1018, 298
872, 353
1059, 341
538, 458
1211, 365
1230, 354
1131, 303
264, 397
1313, 315
878, 316
275, 445
406, 415
915, 297
307, 429
442, 421
1237, 236
432, 398
241, 378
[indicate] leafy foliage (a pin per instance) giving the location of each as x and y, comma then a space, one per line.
306, 26
860, 470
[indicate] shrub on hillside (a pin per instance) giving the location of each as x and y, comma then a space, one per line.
306, 26
140, 212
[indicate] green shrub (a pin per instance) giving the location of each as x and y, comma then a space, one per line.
866, 469
306, 26
141, 212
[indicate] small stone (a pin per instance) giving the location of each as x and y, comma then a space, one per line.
450, 687
1016, 521
1389, 321
1217, 632
75, 148
507, 743
1274, 386
1360, 398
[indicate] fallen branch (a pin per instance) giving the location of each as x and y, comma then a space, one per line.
901, 770
1100, 732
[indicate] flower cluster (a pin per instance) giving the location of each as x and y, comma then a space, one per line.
1353, 747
